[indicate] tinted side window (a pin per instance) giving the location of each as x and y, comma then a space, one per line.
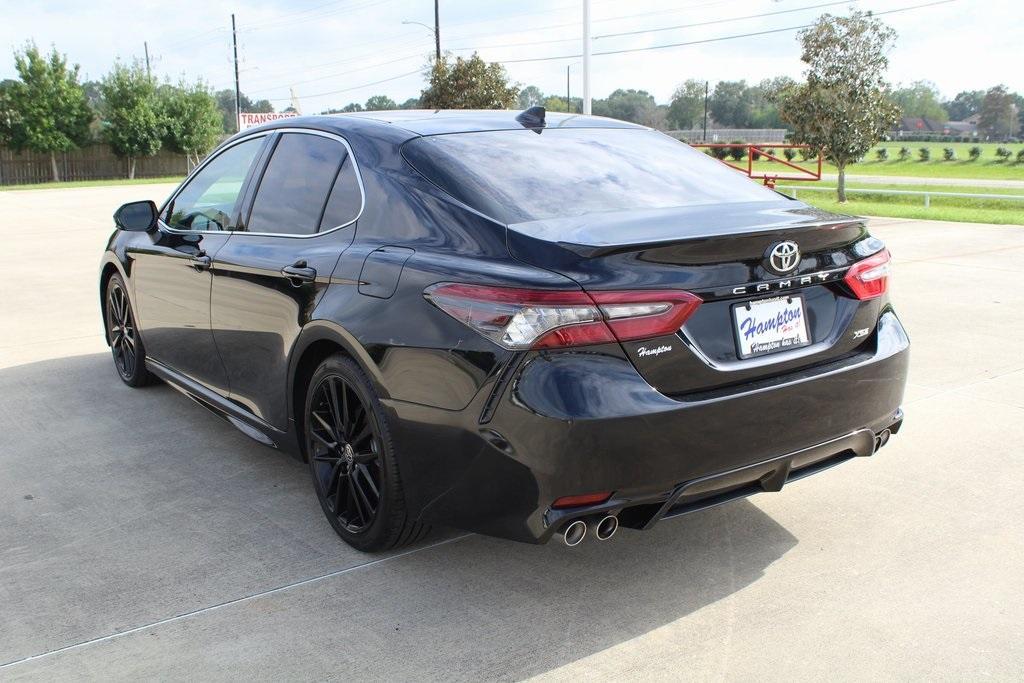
207, 202
292, 194
346, 198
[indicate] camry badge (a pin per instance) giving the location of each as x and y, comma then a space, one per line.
783, 257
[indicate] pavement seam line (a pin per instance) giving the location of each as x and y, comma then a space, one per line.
227, 603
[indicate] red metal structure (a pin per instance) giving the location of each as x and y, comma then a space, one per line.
758, 150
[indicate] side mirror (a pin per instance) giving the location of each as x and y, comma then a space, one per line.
136, 216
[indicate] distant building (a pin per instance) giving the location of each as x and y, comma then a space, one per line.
919, 125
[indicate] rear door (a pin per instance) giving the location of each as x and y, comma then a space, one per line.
271, 275
171, 275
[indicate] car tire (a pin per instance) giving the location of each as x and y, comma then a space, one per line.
123, 335
353, 460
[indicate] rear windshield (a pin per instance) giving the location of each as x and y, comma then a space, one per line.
517, 176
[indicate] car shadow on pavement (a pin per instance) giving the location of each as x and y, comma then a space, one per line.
126, 507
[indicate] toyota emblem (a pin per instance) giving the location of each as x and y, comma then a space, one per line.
784, 257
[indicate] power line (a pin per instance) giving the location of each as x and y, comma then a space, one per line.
724, 21
624, 50
347, 71
354, 87
276, 22
263, 77
711, 40
655, 30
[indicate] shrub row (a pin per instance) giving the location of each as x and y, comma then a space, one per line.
738, 151
948, 154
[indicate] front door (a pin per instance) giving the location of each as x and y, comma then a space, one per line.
271, 274
171, 275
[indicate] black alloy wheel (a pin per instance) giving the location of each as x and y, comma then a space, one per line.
123, 337
345, 451
351, 458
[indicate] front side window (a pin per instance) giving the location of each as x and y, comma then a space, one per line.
293, 194
208, 201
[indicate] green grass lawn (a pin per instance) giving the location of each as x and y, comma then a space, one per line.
959, 209
986, 168
92, 183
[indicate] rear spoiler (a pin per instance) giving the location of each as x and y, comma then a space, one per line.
600, 234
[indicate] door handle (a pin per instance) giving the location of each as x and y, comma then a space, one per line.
299, 273
201, 261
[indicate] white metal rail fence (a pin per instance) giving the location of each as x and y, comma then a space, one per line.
926, 194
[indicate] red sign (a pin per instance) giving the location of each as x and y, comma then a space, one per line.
252, 119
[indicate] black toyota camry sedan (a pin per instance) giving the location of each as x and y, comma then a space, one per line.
517, 323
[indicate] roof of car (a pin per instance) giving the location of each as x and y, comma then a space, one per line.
433, 122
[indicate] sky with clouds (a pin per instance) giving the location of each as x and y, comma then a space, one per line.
332, 53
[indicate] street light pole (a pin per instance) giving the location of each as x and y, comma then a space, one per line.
437, 30
238, 92
586, 57
705, 111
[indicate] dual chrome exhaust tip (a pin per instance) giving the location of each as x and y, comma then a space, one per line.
576, 531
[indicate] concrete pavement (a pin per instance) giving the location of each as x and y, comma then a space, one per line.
142, 537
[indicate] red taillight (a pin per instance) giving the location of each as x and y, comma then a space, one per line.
526, 318
585, 499
645, 314
870, 278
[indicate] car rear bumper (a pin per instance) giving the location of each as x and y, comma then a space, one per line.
574, 423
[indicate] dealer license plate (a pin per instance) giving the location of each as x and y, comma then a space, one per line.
770, 325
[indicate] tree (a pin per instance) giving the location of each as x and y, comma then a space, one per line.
380, 103
765, 97
191, 119
132, 124
730, 104
1018, 104
226, 103
686, 110
6, 113
531, 96
637, 106
468, 84
411, 103
998, 116
920, 99
46, 109
842, 109
556, 103
966, 103
350, 107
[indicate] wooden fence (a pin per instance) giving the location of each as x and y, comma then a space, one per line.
95, 162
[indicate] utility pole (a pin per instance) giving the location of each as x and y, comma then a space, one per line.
567, 98
238, 93
705, 111
586, 57
145, 46
437, 30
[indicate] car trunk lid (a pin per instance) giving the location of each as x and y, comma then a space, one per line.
720, 253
